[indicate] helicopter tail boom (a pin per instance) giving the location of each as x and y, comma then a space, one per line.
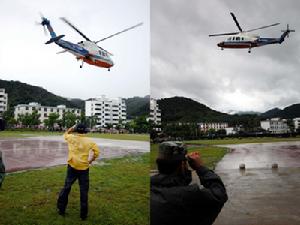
285, 34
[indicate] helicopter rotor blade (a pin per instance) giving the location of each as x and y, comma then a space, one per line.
236, 22
127, 29
224, 34
75, 28
263, 27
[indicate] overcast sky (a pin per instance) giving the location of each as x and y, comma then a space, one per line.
25, 57
186, 62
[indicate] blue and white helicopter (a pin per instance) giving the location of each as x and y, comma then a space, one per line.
88, 51
243, 39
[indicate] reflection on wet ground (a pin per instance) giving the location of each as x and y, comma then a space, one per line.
35, 152
285, 154
261, 195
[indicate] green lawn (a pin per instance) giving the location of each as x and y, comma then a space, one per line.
242, 140
136, 137
119, 194
211, 155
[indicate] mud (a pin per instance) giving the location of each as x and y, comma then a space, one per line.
36, 152
261, 195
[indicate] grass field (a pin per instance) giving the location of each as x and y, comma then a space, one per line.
242, 140
119, 194
211, 155
15, 134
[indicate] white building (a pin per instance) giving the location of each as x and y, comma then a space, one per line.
155, 113
230, 130
296, 123
275, 125
44, 111
3, 101
216, 126
106, 110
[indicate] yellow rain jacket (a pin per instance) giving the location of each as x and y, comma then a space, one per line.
79, 149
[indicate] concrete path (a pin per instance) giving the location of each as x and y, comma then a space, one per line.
260, 195
36, 152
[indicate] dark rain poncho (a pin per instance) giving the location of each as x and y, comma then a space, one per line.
174, 202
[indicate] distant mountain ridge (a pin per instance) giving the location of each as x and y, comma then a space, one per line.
181, 109
138, 106
288, 112
22, 93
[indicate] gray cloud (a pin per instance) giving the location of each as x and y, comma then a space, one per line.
186, 62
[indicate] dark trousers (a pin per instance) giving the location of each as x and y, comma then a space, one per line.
83, 180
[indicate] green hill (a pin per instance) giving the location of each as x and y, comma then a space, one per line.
181, 109
288, 112
21, 93
138, 106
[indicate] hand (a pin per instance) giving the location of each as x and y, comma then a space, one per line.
194, 160
90, 161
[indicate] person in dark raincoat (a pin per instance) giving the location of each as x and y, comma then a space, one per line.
2, 170
173, 200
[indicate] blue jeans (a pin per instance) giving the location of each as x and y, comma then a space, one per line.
83, 180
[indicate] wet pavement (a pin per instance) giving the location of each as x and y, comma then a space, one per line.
36, 152
261, 195
263, 155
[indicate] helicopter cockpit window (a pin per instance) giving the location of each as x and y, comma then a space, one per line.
229, 39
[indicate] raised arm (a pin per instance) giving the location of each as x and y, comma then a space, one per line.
211, 181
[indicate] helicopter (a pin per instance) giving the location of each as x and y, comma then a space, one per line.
242, 39
87, 51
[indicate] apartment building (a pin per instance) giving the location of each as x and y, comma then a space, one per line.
275, 125
106, 111
3, 101
216, 126
155, 113
296, 123
44, 111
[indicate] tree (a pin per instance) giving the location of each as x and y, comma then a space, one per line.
52, 120
91, 121
69, 119
8, 117
141, 125
291, 125
30, 120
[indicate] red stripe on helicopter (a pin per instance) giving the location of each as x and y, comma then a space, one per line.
96, 62
237, 45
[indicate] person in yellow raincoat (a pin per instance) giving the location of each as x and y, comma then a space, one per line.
80, 147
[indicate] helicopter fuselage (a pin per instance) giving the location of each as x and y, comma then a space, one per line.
87, 51
243, 40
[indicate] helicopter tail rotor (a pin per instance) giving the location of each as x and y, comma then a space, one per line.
42, 23
288, 30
